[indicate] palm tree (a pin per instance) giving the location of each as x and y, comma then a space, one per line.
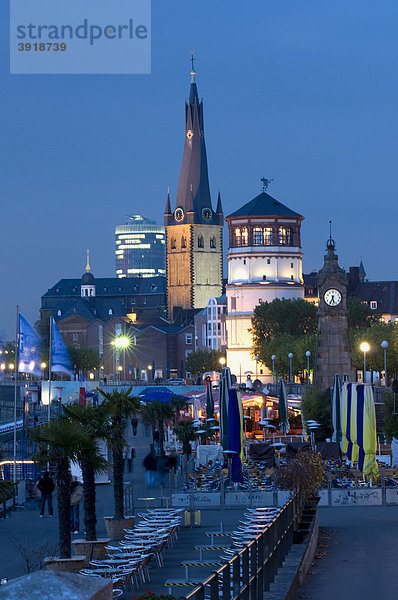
60, 442
158, 414
96, 419
185, 433
178, 404
121, 405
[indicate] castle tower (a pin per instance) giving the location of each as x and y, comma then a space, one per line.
87, 288
264, 263
193, 229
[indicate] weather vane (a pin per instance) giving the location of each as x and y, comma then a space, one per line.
265, 183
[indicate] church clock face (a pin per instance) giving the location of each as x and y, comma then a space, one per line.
206, 214
179, 214
332, 297
189, 134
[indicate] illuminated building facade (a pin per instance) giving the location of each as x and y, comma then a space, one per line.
140, 248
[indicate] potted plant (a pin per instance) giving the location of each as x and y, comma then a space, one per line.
91, 461
60, 441
303, 475
120, 404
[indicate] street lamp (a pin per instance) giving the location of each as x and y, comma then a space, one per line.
43, 366
365, 348
256, 359
122, 342
273, 358
384, 345
308, 354
290, 356
222, 361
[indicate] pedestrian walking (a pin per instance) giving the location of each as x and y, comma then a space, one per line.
156, 440
134, 425
46, 487
76, 494
150, 466
130, 460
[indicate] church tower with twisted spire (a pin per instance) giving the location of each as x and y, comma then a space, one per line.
193, 229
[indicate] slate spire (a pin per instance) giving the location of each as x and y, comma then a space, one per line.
219, 210
167, 210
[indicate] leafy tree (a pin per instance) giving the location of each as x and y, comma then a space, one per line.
91, 461
203, 361
185, 433
281, 316
84, 358
360, 314
121, 405
316, 404
280, 346
160, 415
374, 335
390, 416
60, 442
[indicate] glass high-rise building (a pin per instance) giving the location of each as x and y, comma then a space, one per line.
140, 248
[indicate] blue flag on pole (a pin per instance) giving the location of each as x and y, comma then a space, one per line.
60, 359
29, 346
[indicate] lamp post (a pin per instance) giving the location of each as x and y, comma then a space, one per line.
308, 354
290, 356
222, 362
43, 366
273, 358
384, 345
256, 359
365, 348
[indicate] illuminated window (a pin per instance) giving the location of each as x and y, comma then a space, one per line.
257, 236
173, 244
268, 241
201, 241
282, 236
373, 304
213, 241
188, 338
238, 237
245, 236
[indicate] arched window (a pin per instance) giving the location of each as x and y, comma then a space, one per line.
257, 236
238, 237
289, 236
201, 241
183, 242
245, 236
173, 244
213, 242
59, 313
282, 236
268, 237
86, 292
110, 312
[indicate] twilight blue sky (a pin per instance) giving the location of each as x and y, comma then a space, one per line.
302, 92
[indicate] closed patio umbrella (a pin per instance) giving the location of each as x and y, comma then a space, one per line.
336, 409
209, 399
225, 385
283, 414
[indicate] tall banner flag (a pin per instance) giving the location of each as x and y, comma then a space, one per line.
29, 346
60, 359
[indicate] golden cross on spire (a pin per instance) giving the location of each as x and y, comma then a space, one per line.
88, 268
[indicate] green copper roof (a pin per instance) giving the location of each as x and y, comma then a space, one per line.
264, 205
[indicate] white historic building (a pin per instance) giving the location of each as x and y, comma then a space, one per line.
264, 263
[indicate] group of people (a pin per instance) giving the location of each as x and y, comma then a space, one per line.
158, 467
46, 487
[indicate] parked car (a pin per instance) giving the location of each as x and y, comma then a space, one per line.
175, 381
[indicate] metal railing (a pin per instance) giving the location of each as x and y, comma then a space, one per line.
252, 570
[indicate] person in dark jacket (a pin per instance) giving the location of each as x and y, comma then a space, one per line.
76, 494
150, 466
46, 487
134, 424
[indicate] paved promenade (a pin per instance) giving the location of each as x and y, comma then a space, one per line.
356, 558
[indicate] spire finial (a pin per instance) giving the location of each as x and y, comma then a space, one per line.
330, 244
265, 183
88, 268
193, 72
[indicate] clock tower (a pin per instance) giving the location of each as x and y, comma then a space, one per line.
193, 229
333, 350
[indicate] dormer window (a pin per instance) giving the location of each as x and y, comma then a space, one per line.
373, 304
59, 313
110, 312
74, 289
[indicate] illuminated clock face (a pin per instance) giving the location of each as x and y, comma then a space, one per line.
189, 134
206, 214
179, 214
332, 297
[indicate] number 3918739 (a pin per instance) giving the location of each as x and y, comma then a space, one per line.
42, 47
